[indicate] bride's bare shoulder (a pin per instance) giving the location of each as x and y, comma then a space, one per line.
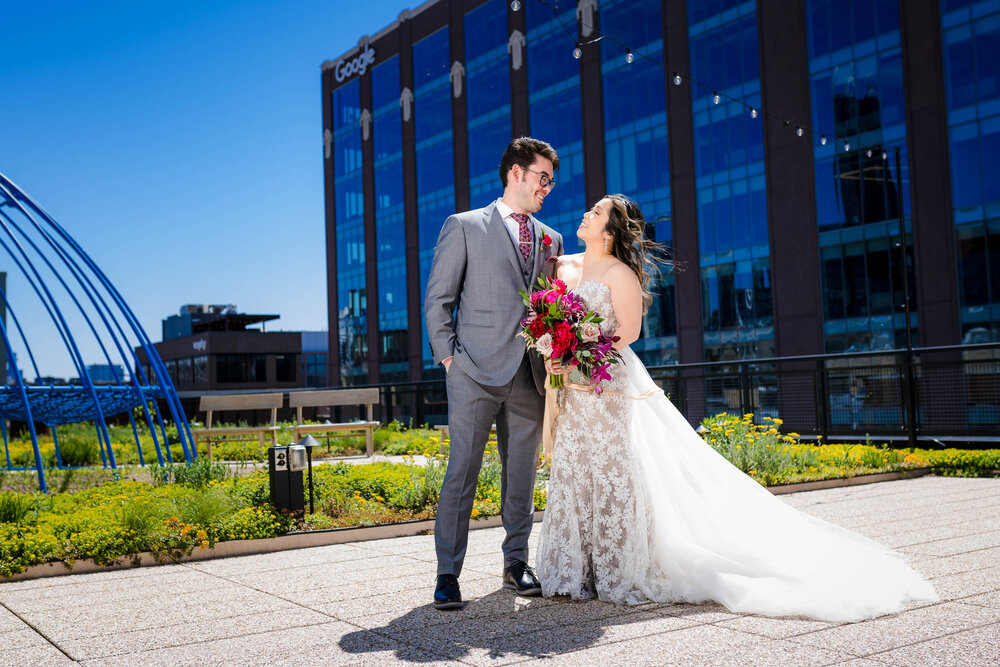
569, 262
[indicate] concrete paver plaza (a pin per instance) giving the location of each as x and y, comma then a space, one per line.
367, 603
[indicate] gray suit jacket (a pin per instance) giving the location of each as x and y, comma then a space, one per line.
472, 306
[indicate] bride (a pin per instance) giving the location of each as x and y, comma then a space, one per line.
641, 509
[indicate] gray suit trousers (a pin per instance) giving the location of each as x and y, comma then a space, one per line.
517, 409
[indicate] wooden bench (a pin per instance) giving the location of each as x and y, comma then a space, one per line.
211, 403
443, 433
331, 398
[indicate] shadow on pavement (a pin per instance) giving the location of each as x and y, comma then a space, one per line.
501, 624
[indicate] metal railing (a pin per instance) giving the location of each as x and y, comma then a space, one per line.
931, 393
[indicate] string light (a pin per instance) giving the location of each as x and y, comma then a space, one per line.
884, 155
716, 98
822, 139
869, 153
847, 146
677, 79
753, 112
799, 132
629, 57
515, 5
577, 52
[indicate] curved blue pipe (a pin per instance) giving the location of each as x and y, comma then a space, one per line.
173, 402
100, 308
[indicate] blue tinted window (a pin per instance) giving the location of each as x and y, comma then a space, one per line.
971, 49
435, 163
731, 189
555, 113
487, 98
349, 204
390, 231
858, 103
636, 148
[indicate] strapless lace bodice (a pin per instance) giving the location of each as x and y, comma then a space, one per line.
596, 296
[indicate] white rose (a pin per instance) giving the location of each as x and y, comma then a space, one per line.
590, 331
544, 345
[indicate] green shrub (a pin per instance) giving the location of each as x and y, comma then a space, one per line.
206, 508
79, 453
15, 507
199, 473
963, 462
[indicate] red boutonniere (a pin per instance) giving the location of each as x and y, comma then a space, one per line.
546, 242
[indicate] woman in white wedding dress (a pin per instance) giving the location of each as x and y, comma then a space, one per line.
641, 509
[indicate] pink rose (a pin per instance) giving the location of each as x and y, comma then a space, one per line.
589, 331
544, 345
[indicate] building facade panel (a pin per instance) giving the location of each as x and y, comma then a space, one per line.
734, 260
971, 50
858, 95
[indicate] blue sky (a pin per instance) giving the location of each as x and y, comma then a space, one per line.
181, 145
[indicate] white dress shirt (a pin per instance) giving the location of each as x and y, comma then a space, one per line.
513, 226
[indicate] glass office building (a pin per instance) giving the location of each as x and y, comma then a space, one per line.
417, 116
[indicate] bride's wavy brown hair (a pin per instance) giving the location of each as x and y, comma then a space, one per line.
629, 244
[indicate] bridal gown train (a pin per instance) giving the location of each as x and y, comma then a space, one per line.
641, 509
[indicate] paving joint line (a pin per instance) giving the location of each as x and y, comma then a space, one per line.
39, 632
170, 625
930, 639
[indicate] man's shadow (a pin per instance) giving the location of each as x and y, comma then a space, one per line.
500, 623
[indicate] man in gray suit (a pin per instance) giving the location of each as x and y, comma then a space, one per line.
482, 258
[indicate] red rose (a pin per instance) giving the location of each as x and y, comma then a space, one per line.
546, 240
563, 339
537, 328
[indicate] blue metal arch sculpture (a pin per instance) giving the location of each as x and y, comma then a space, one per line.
51, 262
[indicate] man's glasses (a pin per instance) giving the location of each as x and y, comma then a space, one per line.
543, 178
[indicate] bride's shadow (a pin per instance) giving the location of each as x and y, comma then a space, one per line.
499, 624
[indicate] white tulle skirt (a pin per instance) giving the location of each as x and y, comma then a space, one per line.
717, 535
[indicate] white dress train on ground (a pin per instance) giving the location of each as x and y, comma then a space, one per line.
641, 509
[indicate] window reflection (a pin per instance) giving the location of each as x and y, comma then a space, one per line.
349, 207
971, 39
731, 186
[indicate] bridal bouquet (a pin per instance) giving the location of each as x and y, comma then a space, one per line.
559, 327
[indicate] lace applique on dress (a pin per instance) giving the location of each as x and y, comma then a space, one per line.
596, 539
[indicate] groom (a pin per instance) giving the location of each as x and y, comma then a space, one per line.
474, 313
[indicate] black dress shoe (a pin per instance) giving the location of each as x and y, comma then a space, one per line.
447, 594
521, 578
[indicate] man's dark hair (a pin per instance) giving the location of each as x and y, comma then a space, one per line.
522, 152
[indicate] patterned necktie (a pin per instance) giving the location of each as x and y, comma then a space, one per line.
524, 235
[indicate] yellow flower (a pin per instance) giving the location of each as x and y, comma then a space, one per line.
753, 472
475, 512
739, 446
729, 432
201, 535
778, 421
794, 435
204, 544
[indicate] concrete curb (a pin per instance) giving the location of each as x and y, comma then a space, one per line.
322, 538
